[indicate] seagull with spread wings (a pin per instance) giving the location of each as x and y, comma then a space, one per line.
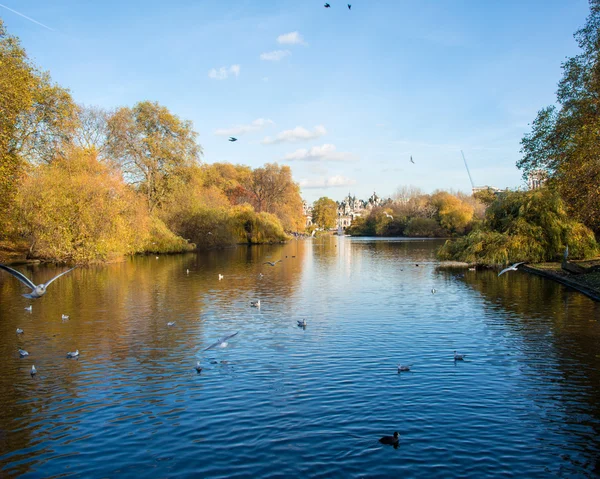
36, 291
272, 263
221, 343
511, 268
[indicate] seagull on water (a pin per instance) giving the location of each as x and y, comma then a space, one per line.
19, 331
171, 323
23, 353
29, 308
272, 263
73, 355
404, 367
511, 268
36, 291
302, 323
33, 370
220, 277
433, 291
197, 367
65, 317
459, 357
221, 343
255, 304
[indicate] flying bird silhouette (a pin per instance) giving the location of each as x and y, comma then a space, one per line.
221, 342
272, 263
511, 268
232, 139
36, 291
411, 160
389, 216
349, 7
327, 5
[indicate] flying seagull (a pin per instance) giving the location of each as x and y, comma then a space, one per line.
389, 216
272, 263
36, 291
511, 268
222, 343
171, 323
327, 5
232, 139
349, 7
411, 160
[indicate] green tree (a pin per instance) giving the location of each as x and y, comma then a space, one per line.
324, 213
565, 141
153, 146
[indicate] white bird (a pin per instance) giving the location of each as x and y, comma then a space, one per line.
302, 323
272, 263
459, 357
197, 367
23, 353
255, 304
33, 370
29, 308
73, 355
511, 268
36, 291
157, 257
389, 216
222, 343
472, 269
19, 331
187, 271
220, 277
65, 317
171, 323
260, 276
313, 233
404, 368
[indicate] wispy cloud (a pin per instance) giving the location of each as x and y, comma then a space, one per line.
256, 125
297, 134
326, 152
28, 18
292, 38
275, 55
331, 182
224, 72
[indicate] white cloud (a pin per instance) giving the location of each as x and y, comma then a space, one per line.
292, 38
297, 134
224, 72
275, 56
256, 125
331, 182
327, 152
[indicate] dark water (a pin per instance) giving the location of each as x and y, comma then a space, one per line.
281, 401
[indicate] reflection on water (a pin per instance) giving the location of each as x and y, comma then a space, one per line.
284, 400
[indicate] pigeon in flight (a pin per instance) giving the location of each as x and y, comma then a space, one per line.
272, 263
36, 291
511, 268
232, 139
327, 5
411, 160
222, 343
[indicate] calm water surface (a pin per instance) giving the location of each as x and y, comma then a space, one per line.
282, 401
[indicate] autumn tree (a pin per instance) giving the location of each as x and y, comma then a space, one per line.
565, 141
454, 214
324, 213
152, 146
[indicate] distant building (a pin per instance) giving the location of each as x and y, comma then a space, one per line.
308, 211
536, 179
350, 208
477, 189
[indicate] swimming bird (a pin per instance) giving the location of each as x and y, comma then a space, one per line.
220, 277
36, 291
475, 269
260, 276
29, 308
171, 323
65, 317
459, 357
511, 268
23, 353
187, 271
197, 367
390, 440
232, 139
255, 304
302, 323
389, 216
433, 291
404, 368
272, 263
33, 370
19, 331
222, 343
411, 160
327, 5
73, 355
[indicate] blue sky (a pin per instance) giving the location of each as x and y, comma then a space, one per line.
343, 97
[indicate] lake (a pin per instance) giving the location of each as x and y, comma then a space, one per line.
284, 401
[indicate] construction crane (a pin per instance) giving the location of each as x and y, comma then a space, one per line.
467, 167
